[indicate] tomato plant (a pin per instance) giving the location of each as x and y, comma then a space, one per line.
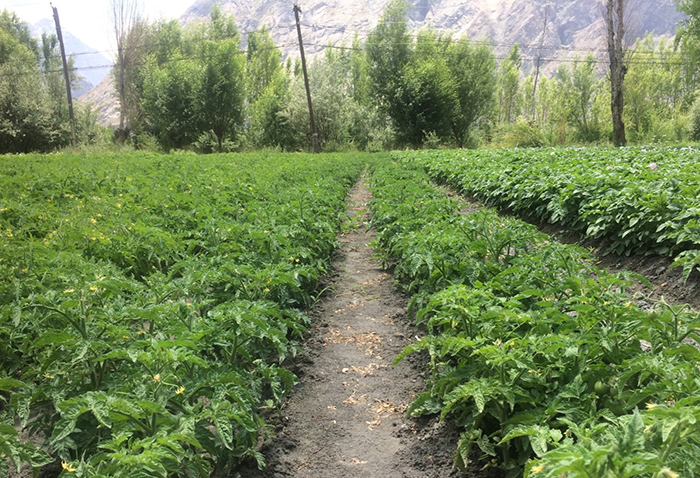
532, 347
148, 302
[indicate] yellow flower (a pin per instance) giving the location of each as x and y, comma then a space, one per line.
49, 376
267, 290
93, 288
68, 291
651, 406
628, 304
538, 468
180, 390
67, 466
93, 220
156, 378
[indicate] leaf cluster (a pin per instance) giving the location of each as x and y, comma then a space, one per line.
148, 302
531, 346
637, 200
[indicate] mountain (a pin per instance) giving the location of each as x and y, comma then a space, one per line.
104, 102
573, 27
92, 66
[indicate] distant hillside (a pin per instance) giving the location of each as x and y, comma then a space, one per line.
91, 67
104, 102
573, 26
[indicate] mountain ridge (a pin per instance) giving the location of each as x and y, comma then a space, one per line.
574, 27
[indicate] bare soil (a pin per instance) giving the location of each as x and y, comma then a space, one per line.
347, 416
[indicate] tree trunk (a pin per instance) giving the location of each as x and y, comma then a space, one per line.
616, 30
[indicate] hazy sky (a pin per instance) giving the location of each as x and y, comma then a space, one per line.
89, 19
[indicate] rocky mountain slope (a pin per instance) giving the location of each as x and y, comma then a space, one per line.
574, 27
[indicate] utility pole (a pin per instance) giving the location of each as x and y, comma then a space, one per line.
314, 135
65, 74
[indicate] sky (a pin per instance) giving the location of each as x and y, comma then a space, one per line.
89, 20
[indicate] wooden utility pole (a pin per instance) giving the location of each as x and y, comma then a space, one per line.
314, 135
65, 74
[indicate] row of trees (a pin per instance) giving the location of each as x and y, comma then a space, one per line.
33, 107
400, 89
195, 87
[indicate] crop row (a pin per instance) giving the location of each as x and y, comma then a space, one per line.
638, 200
542, 359
147, 303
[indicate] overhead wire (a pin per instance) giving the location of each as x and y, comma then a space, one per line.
634, 56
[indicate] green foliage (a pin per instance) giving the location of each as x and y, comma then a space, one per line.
147, 302
640, 201
433, 85
534, 351
520, 134
28, 122
193, 86
509, 86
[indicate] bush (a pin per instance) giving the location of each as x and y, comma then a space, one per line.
520, 134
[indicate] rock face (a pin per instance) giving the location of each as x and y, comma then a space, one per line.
104, 102
574, 27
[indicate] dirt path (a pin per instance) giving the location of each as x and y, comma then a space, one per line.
347, 416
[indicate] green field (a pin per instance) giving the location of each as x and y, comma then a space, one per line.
542, 358
148, 301
148, 304
638, 200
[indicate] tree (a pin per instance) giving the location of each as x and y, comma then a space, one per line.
509, 85
688, 38
222, 90
474, 73
27, 122
129, 34
263, 62
426, 96
615, 28
654, 91
193, 88
170, 94
389, 50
